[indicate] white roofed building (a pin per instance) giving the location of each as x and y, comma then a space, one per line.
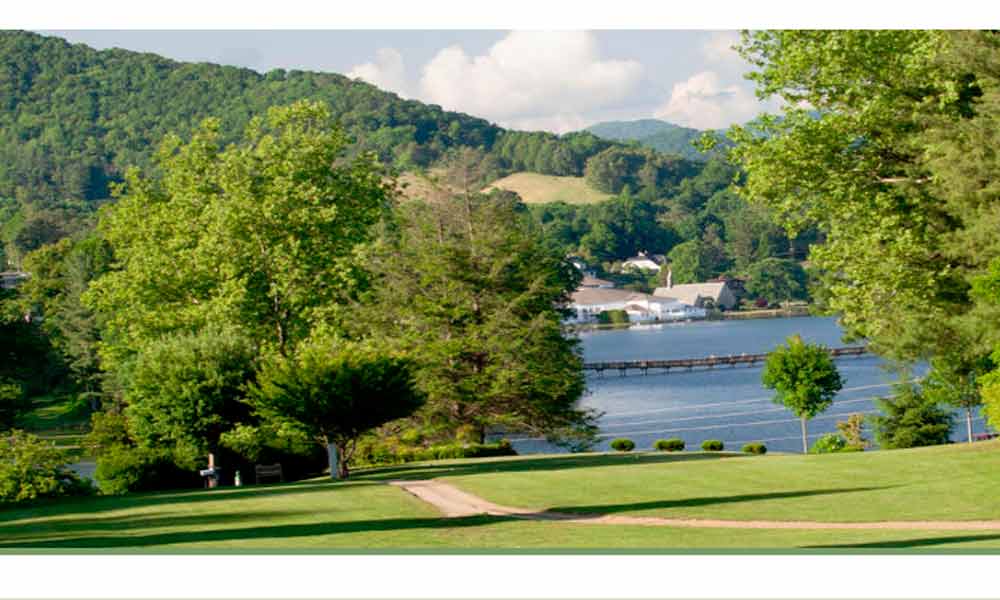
714, 294
644, 262
589, 302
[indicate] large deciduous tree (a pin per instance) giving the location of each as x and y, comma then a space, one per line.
260, 236
804, 379
887, 147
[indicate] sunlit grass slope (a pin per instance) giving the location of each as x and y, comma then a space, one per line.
952, 482
534, 188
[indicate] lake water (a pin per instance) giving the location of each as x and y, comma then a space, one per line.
726, 403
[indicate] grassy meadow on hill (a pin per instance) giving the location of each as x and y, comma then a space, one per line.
535, 188
927, 483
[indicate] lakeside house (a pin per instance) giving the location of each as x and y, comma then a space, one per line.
589, 302
645, 262
722, 294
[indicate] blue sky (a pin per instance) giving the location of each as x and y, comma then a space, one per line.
552, 80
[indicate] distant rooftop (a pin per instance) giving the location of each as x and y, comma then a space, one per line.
596, 282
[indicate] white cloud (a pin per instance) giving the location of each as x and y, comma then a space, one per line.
718, 49
530, 77
704, 102
387, 71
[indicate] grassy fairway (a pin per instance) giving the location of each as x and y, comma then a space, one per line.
535, 188
951, 483
955, 482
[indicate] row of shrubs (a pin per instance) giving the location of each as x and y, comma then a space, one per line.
677, 445
381, 455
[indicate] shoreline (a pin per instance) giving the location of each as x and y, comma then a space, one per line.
767, 313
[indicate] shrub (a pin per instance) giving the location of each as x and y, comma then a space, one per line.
671, 445
613, 317
32, 468
412, 437
755, 448
829, 443
623, 445
123, 469
712, 446
380, 454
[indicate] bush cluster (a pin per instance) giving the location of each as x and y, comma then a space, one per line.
833, 442
670, 445
612, 317
384, 455
122, 469
712, 446
31, 468
755, 448
623, 445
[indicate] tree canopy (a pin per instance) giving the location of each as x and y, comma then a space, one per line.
469, 281
804, 379
259, 236
336, 392
868, 152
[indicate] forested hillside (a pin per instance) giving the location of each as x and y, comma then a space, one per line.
652, 133
72, 119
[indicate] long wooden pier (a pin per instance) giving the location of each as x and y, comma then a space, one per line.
710, 362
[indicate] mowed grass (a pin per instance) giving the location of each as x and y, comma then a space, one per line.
952, 482
535, 188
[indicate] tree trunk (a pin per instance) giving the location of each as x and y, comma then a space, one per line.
968, 422
331, 451
805, 437
342, 457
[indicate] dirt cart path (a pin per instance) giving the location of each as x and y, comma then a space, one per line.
453, 502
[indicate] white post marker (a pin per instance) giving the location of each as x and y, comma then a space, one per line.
332, 453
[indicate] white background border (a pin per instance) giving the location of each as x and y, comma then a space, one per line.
497, 14
456, 576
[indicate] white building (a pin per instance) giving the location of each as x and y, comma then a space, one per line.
644, 262
588, 302
714, 294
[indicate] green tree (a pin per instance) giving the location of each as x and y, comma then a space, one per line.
469, 287
60, 274
337, 392
804, 378
689, 262
184, 391
777, 280
886, 159
910, 419
260, 236
954, 381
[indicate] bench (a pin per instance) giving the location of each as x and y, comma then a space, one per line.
269, 471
